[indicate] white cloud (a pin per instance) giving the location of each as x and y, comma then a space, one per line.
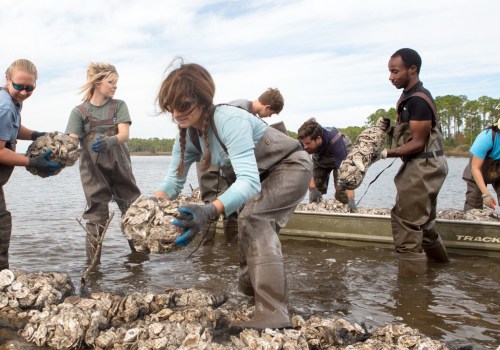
329, 58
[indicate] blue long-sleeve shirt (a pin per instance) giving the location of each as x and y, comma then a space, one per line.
239, 131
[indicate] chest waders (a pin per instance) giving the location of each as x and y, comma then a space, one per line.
418, 181
491, 175
5, 217
285, 170
325, 164
213, 183
104, 176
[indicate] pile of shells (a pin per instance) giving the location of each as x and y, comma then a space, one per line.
486, 214
148, 224
363, 154
334, 206
177, 319
65, 150
20, 292
322, 333
138, 320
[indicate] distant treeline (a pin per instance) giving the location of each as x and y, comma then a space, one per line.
461, 121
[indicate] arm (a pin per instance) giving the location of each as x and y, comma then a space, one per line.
420, 130
123, 132
8, 157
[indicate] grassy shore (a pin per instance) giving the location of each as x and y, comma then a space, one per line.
459, 151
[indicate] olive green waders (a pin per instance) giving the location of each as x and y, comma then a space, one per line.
105, 176
5, 217
491, 175
413, 217
324, 165
283, 186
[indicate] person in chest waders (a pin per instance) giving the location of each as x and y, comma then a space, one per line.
21, 79
212, 182
483, 169
417, 139
272, 175
102, 124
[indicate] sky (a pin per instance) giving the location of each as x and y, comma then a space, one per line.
328, 57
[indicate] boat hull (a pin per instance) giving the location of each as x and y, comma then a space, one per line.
464, 237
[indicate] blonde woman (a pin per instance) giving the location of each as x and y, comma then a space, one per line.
102, 124
21, 82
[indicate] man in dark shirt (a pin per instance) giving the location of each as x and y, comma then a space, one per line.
329, 148
418, 141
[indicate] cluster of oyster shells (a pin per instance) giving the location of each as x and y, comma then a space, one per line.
334, 206
137, 320
363, 154
65, 150
179, 319
148, 224
20, 292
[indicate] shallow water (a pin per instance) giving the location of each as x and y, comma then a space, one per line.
458, 303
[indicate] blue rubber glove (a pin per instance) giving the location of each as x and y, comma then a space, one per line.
42, 163
104, 143
192, 218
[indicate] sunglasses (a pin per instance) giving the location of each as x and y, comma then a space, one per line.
20, 87
183, 107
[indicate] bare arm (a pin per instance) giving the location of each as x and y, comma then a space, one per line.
8, 157
24, 133
123, 132
476, 165
420, 130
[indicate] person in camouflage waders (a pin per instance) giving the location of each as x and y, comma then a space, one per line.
21, 79
102, 124
417, 139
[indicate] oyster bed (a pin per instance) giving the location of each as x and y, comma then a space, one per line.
334, 206
65, 150
175, 319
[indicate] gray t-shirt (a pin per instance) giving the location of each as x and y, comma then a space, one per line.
245, 104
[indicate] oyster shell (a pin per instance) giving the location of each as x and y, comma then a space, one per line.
65, 150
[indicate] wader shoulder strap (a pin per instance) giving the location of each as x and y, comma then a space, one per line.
193, 134
493, 133
426, 99
93, 122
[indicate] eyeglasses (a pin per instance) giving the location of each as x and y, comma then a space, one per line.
184, 107
20, 87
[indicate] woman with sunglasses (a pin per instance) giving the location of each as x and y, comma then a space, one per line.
21, 81
102, 124
272, 175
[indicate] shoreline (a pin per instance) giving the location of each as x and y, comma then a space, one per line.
458, 152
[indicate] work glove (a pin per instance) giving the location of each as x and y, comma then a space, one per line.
104, 143
488, 201
42, 163
351, 204
384, 124
193, 218
36, 134
315, 195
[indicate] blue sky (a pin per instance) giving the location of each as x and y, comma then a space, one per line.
329, 58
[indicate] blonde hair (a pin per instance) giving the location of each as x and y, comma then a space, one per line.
22, 65
97, 72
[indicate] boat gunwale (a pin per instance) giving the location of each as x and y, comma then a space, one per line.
375, 216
